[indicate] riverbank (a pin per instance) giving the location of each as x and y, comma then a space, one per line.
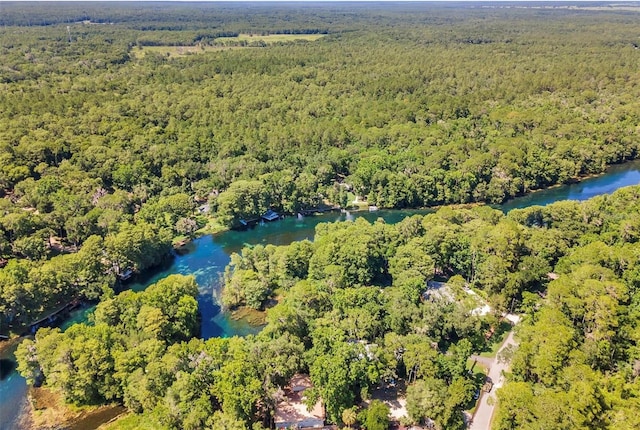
46, 410
210, 228
6, 345
213, 228
206, 256
251, 316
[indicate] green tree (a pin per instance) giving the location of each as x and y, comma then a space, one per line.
411, 261
349, 417
376, 416
242, 200
426, 399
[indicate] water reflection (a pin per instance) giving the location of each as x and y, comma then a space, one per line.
206, 258
619, 176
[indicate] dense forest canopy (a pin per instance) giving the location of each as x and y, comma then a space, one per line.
120, 121
356, 315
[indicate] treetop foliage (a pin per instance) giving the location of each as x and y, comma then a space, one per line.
352, 334
107, 148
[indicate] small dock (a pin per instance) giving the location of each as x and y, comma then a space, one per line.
244, 224
53, 317
268, 216
319, 210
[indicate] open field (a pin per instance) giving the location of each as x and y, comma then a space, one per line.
270, 38
237, 42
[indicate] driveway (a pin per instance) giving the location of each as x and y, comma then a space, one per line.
486, 406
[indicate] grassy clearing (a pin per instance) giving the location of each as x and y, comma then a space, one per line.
211, 227
477, 367
209, 224
360, 205
252, 316
132, 422
228, 42
270, 38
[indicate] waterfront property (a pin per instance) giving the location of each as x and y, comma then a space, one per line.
209, 254
55, 317
271, 215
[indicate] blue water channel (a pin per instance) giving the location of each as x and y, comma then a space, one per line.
206, 258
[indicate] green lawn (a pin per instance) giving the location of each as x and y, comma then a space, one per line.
211, 227
478, 368
132, 422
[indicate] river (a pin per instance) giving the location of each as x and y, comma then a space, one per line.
206, 258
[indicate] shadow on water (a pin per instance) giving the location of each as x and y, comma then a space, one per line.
6, 367
616, 177
148, 277
206, 257
209, 308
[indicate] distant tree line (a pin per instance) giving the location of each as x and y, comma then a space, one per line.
394, 105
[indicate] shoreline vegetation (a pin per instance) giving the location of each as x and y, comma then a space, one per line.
362, 205
575, 262
213, 228
120, 146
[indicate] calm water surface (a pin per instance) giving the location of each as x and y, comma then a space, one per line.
621, 175
13, 392
206, 258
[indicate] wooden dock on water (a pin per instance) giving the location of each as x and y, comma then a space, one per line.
320, 210
52, 317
